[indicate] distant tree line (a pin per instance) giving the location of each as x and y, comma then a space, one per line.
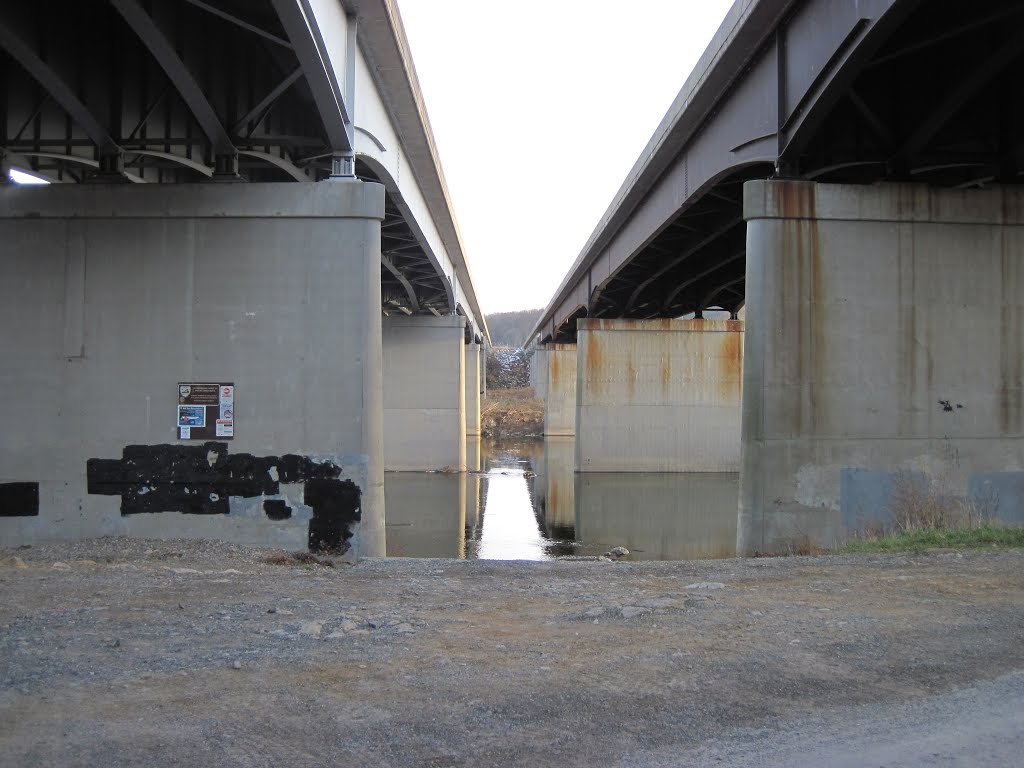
507, 368
509, 329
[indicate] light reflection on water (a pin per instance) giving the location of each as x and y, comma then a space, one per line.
525, 502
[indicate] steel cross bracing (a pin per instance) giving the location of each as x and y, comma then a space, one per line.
923, 91
179, 91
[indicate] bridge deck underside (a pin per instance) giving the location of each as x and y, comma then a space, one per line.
932, 96
179, 91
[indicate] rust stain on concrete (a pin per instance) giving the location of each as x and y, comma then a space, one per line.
802, 254
554, 369
731, 365
796, 200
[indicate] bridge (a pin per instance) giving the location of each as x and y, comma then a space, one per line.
813, 273
243, 295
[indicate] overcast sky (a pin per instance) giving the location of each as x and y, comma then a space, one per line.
539, 109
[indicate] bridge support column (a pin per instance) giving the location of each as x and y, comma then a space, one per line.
560, 389
424, 393
658, 395
884, 358
539, 372
115, 295
473, 389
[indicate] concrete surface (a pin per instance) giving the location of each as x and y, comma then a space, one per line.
474, 389
111, 295
560, 389
885, 344
424, 393
658, 395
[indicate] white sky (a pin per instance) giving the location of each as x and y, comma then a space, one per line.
539, 109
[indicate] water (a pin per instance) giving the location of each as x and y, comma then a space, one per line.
525, 502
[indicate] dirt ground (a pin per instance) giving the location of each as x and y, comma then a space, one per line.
511, 412
117, 652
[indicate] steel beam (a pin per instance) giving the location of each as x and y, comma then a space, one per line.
401, 278
296, 17
258, 112
162, 50
57, 89
239, 23
957, 97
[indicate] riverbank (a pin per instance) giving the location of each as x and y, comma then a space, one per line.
512, 412
122, 652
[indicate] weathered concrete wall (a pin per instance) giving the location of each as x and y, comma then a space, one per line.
560, 390
885, 347
539, 372
473, 389
658, 395
424, 393
665, 516
112, 295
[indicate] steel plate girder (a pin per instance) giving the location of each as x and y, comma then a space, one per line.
741, 108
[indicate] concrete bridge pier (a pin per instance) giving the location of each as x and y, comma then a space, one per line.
884, 357
424, 393
115, 299
559, 389
658, 395
474, 389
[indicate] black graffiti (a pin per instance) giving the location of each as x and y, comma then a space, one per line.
19, 499
277, 509
200, 479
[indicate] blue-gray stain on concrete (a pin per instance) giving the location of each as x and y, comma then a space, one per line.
998, 494
864, 498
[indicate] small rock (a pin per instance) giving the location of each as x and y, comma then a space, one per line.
706, 585
617, 552
405, 628
237, 665
271, 610
60, 565
335, 635
594, 612
660, 602
373, 624
311, 629
116, 643
632, 611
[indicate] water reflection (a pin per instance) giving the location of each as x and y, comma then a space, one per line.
523, 500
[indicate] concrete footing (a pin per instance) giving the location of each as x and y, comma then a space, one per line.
884, 357
424, 393
658, 395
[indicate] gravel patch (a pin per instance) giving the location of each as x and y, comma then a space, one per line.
124, 652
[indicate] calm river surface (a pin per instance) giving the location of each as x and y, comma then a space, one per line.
525, 502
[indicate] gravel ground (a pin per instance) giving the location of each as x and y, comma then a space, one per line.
119, 652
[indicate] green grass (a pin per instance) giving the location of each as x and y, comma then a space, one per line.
985, 536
